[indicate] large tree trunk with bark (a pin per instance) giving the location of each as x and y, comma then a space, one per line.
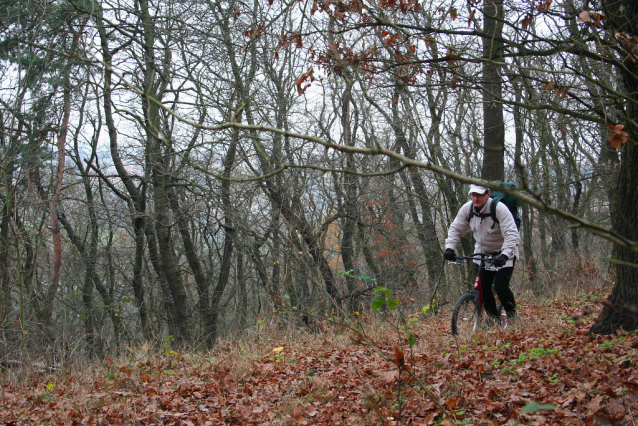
621, 308
492, 85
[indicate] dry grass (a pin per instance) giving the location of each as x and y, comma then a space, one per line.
372, 328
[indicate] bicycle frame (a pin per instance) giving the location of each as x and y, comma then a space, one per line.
478, 288
477, 291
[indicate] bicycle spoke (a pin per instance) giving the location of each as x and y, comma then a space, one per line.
466, 316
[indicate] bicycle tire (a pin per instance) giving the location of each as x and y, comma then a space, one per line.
466, 315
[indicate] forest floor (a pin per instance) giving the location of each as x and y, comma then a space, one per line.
543, 370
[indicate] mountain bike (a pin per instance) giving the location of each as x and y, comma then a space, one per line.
468, 310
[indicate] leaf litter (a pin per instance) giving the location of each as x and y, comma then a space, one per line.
543, 370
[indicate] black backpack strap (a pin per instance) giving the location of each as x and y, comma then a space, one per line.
495, 201
491, 214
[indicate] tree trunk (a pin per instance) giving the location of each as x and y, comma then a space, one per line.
349, 195
229, 241
136, 198
620, 311
46, 312
492, 85
7, 213
190, 250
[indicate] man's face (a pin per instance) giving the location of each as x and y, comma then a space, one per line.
479, 200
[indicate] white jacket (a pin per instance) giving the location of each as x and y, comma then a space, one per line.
503, 237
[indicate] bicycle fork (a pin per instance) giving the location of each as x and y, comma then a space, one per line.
479, 290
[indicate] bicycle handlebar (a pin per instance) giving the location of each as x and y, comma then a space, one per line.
488, 258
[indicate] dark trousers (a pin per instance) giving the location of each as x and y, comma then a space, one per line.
501, 281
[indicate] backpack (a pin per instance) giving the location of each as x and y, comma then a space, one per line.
508, 200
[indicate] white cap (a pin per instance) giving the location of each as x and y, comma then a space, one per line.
478, 189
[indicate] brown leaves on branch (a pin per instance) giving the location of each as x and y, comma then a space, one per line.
296, 38
617, 136
527, 21
559, 91
593, 19
338, 9
302, 82
471, 18
544, 6
255, 32
403, 5
390, 39
630, 43
453, 13
284, 40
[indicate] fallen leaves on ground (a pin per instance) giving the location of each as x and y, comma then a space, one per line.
543, 370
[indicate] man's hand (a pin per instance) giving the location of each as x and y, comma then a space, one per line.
449, 255
500, 261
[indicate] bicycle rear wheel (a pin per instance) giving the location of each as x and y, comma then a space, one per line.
466, 316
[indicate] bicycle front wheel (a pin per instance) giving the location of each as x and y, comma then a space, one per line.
466, 316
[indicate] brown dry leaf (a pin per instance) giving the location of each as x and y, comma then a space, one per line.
595, 404
452, 402
308, 75
472, 13
298, 412
591, 18
391, 376
598, 18
584, 16
399, 357
617, 135
629, 43
527, 21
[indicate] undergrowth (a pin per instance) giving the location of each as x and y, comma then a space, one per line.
374, 368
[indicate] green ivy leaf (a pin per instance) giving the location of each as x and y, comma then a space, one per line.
533, 406
366, 279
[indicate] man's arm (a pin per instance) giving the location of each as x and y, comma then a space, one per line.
459, 227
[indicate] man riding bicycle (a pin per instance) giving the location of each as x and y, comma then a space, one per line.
498, 238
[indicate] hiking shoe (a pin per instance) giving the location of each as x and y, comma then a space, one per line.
509, 319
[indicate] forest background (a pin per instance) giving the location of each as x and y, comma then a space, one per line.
197, 169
